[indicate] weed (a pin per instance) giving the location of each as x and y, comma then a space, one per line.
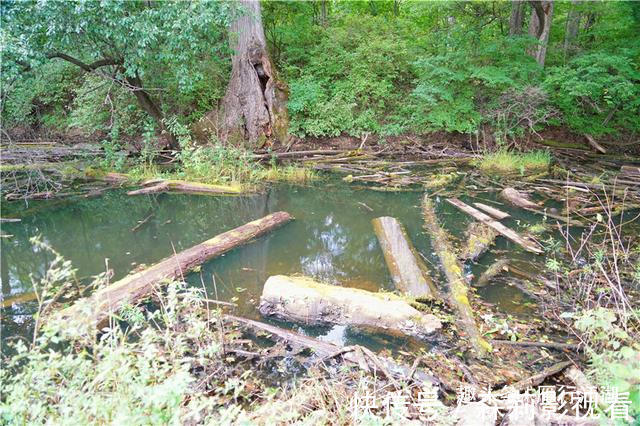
509, 162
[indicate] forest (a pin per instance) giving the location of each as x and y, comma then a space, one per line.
320, 212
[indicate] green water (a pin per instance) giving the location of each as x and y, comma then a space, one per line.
331, 240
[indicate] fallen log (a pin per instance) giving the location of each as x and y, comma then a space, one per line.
9, 220
326, 351
20, 298
492, 211
509, 233
517, 198
527, 344
408, 272
301, 299
92, 311
458, 288
595, 144
188, 187
536, 379
493, 270
479, 238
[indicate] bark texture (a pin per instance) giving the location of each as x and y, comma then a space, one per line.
254, 106
540, 28
302, 299
90, 312
573, 26
517, 17
408, 271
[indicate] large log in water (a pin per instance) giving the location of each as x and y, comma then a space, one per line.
302, 299
94, 310
408, 271
458, 288
184, 186
479, 238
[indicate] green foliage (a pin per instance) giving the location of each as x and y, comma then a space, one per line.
510, 162
597, 93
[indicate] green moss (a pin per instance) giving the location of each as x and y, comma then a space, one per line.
440, 180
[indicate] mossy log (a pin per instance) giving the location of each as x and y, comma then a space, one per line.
408, 272
188, 187
458, 288
509, 233
479, 238
304, 300
517, 198
92, 311
492, 271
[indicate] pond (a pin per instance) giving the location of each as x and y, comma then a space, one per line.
331, 239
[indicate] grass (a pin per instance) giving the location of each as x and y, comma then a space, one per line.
509, 162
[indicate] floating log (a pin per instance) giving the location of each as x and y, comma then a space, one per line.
479, 238
492, 211
517, 198
304, 300
458, 288
326, 350
189, 187
20, 298
9, 220
92, 311
494, 269
142, 222
408, 272
509, 233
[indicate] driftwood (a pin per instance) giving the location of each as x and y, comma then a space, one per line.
188, 187
326, 351
479, 238
92, 311
458, 288
509, 233
408, 272
492, 211
301, 299
494, 269
517, 198
595, 144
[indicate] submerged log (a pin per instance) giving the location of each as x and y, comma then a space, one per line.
517, 198
492, 211
458, 288
509, 233
302, 299
92, 311
326, 350
479, 238
188, 187
408, 272
494, 269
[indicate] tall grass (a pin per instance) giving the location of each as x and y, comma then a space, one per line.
510, 162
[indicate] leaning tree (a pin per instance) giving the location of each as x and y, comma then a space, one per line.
253, 109
124, 41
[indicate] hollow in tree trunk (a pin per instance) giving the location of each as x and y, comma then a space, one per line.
254, 106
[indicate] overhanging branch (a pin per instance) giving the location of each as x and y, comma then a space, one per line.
87, 67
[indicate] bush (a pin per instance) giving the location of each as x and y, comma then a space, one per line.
597, 93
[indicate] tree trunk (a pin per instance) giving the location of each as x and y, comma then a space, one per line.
517, 17
573, 25
254, 107
540, 27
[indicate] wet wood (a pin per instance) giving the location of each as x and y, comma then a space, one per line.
303, 300
408, 272
186, 187
92, 311
517, 198
326, 351
491, 272
507, 232
458, 287
492, 211
9, 220
595, 144
479, 238
20, 298
142, 222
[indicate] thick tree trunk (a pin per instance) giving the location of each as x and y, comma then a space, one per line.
573, 25
254, 107
540, 27
302, 299
517, 17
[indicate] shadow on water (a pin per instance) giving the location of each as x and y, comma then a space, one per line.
331, 240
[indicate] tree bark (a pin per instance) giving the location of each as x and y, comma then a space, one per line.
540, 27
254, 106
573, 25
517, 17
